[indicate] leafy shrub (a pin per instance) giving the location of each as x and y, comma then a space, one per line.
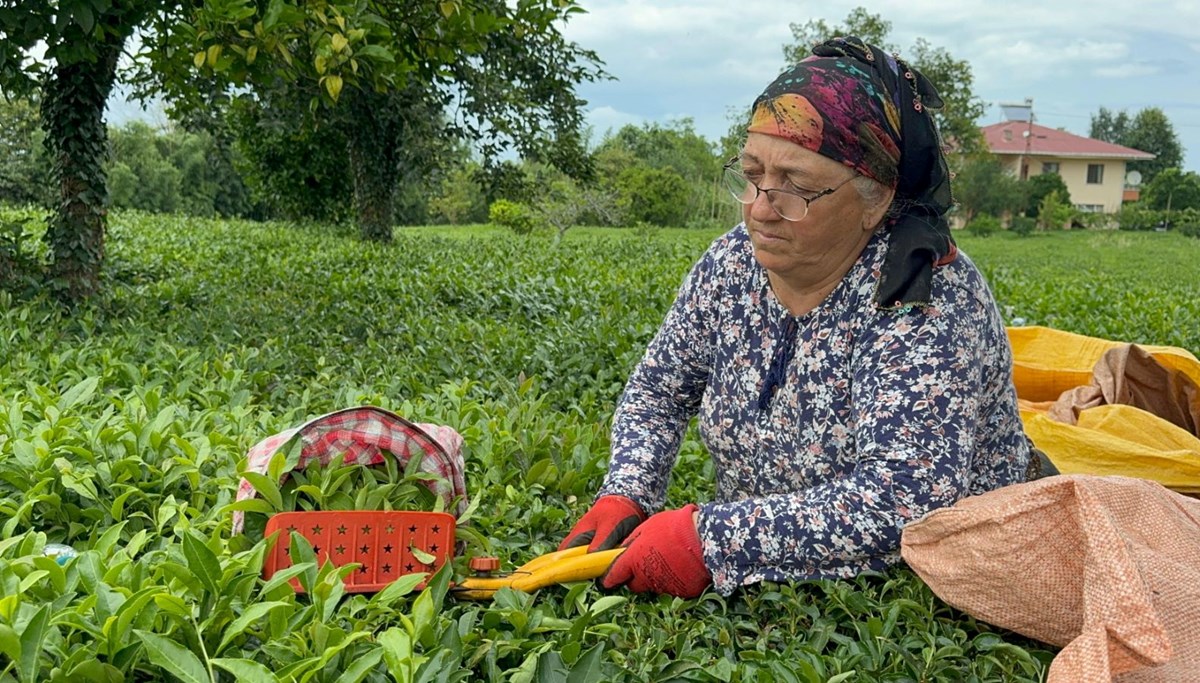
1139, 217
1038, 186
1022, 226
515, 216
1055, 212
983, 225
458, 199
1187, 222
653, 195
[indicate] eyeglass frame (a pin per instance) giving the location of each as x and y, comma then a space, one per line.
729, 168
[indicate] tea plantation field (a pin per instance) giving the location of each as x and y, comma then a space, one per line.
123, 426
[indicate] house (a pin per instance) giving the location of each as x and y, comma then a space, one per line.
1093, 170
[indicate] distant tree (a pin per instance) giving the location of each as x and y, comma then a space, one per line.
1109, 126
24, 167
651, 195
983, 187
1173, 190
141, 176
1149, 131
1038, 186
952, 77
675, 147
457, 199
507, 65
390, 71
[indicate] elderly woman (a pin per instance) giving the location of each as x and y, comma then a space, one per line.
849, 367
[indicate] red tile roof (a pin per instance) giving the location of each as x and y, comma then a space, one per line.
1052, 142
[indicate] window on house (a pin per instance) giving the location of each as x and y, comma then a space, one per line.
1095, 174
1090, 208
1007, 135
1050, 167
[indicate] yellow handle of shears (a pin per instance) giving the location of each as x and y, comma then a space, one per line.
563, 566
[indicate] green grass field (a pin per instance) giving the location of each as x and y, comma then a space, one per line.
122, 425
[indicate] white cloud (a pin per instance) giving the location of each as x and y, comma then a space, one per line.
1128, 70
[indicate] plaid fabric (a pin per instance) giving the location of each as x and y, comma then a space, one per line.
363, 434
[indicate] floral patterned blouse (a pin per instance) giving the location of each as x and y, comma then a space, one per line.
872, 418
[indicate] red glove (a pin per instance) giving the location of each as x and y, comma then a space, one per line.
605, 525
663, 556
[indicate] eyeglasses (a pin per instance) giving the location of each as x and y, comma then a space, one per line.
791, 206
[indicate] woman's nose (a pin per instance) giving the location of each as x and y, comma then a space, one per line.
761, 209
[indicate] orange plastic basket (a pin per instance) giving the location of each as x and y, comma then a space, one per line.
381, 543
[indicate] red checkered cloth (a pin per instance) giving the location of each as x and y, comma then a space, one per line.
363, 434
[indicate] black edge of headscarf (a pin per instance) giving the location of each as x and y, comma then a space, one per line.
920, 234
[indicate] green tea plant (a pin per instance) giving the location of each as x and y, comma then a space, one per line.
124, 426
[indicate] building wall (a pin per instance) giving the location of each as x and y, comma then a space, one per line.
1108, 193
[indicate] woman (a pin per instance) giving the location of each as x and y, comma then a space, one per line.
850, 369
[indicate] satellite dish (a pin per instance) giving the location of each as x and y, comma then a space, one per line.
1133, 178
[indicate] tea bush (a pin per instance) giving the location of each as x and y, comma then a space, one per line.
124, 423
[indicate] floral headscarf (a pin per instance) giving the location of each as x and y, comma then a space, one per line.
855, 104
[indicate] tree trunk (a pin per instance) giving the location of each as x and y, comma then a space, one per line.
72, 110
373, 139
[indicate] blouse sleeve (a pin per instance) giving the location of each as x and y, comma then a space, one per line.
916, 390
663, 394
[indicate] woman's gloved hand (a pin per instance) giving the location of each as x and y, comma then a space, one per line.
605, 525
662, 556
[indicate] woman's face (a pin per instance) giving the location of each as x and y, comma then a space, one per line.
837, 227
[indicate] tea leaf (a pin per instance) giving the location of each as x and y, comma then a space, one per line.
203, 563
246, 670
174, 658
31, 643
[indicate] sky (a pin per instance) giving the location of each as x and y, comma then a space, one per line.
700, 59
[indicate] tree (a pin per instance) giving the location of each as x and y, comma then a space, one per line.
953, 78
1109, 126
389, 72
983, 187
508, 67
1173, 190
24, 168
1149, 131
83, 40
675, 147
1038, 186
651, 195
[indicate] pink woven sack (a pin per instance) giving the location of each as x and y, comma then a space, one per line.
1108, 568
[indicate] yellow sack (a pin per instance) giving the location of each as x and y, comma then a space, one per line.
1108, 439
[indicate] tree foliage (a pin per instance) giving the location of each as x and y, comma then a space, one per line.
173, 170
395, 75
1038, 186
24, 167
82, 40
1109, 126
1173, 190
1149, 131
983, 188
668, 156
506, 67
952, 77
